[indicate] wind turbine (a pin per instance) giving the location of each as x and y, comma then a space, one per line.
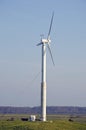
45, 43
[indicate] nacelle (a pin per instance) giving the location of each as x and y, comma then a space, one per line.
46, 40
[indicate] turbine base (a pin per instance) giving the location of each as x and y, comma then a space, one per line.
43, 101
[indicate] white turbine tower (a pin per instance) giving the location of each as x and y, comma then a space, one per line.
44, 43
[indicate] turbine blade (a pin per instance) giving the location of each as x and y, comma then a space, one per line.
48, 37
39, 44
50, 53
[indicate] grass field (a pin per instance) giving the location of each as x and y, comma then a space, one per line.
59, 122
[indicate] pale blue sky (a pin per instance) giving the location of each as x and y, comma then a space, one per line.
21, 23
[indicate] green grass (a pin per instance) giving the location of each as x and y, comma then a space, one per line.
55, 125
59, 122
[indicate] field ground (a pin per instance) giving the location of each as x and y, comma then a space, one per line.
55, 122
